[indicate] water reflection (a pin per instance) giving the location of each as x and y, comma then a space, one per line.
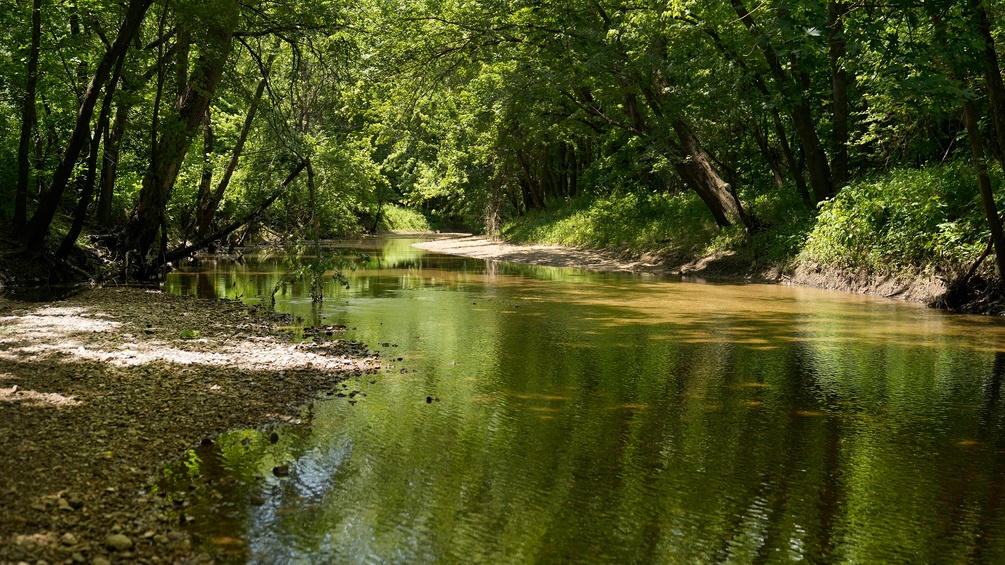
605, 418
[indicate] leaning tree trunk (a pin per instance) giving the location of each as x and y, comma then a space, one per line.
971, 118
209, 202
696, 169
34, 235
70, 240
146, 222
28, 119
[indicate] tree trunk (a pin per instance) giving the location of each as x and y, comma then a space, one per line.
992, 73
92, 166
696, 169
37, 228
802, 117
140, 235
211, 201
176, 254
28, 120
109, 166
206, 182
769, 154
971, 119
839, 85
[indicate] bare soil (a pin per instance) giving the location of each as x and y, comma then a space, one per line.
99, 390
926, 289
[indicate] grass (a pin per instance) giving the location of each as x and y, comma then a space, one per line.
903, 221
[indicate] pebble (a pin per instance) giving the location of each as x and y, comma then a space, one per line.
100, 561
118, 542
281, 470
68, 539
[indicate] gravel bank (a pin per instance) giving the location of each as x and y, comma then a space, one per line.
99, 390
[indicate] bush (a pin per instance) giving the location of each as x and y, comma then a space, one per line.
398, 219
907, 220
629, 221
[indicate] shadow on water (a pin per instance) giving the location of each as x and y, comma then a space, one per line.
549, 415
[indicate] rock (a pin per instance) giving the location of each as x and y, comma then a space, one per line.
281, 470
101, 561
118, 542
68, 539
274, 437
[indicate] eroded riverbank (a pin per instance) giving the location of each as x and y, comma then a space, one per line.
926, 289
99, 390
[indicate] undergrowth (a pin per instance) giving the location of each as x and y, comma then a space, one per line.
398, 219
903, 221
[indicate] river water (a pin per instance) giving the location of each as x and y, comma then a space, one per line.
552, 415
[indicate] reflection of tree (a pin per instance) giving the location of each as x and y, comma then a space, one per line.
990, 425
612, 417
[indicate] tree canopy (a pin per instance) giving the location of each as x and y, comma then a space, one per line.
160, 127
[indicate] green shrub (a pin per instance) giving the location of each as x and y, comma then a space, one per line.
398, 219
629, 221
904, 220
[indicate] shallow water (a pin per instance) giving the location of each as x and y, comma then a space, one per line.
554, 415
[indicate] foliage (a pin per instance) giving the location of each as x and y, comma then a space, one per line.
316, 272
398, 219
629, 221
582, 123
904, 220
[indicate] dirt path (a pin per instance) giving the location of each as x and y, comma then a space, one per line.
545, 255
99, 390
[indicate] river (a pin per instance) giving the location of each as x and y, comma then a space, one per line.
549, 415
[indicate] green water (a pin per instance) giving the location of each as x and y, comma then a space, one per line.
589, 418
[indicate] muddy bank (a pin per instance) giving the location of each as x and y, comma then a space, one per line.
99, 390
927, 289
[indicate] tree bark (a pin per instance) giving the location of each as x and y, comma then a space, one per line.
697, 170
209, 202
839, 86
802, 117
971, 118
28, 119
141, 233
37, 228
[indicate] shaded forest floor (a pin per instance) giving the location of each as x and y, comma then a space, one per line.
99, 390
